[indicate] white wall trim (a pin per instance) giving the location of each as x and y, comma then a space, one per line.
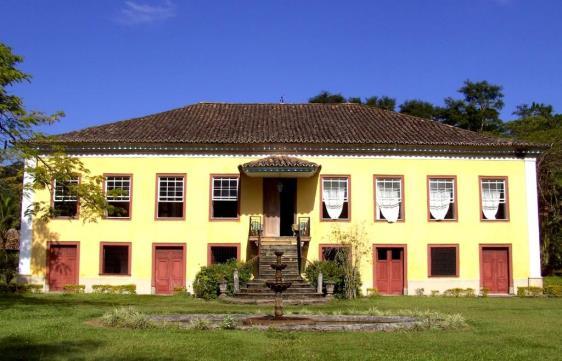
26, 231
224, 155
533, 218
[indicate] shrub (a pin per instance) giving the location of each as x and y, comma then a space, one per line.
484, 292
529, 291
130, 289
420, 291
469, 292
331, 271
453, 292
74, 288
181, 291
373, 292
128, 317
228, 323
434, 293
25, 288
200, 324
206, 283
553, 291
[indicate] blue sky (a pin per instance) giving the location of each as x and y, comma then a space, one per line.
102, 61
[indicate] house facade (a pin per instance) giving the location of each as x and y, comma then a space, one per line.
439, 207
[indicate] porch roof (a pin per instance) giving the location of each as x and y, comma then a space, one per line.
279, 166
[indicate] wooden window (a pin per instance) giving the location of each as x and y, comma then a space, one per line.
222, 252
171, 196
335, 198
225, 197
389, 198
443, 260
442, 198
65, 198
493, 198
115, 259
118, 191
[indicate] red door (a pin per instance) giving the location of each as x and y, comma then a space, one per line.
169, 269
389, 270
495, 269
63, 266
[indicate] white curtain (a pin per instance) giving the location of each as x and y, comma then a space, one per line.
439, 203
334, 198
490, 203
388, 201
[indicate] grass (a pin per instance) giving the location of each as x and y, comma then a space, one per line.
54, 327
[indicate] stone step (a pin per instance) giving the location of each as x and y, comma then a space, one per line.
289, 291
285, 295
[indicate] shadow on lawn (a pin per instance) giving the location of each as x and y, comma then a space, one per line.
22, 348
9, 300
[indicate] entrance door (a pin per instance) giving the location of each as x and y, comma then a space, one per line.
169, 269
63, 266
495, 269
271, 208
389, 270
279, 205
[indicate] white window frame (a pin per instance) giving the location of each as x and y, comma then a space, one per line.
443, 184
171, 198
331, 180
225, 189
121, 197
65, 197
495, 182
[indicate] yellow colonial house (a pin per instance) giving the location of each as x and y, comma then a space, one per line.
441, 207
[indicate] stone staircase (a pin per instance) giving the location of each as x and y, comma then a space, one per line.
300, 292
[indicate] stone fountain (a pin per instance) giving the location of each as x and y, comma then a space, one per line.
278, 286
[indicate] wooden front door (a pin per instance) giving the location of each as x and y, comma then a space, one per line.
389, 270
271, 208
63, 266
495, 269
169, 269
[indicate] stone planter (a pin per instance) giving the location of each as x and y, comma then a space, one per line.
330, 285
222, 288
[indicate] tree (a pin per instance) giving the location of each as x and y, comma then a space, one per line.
479, 110
419, 108
537, 123
327, 97
21, 140
383, 102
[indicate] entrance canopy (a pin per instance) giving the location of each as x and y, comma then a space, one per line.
279, 166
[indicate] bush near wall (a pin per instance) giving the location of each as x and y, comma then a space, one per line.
549, 291
206, 283
115, 289
74, 289
331, 271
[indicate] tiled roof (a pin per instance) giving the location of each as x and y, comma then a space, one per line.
280, 161
222, 123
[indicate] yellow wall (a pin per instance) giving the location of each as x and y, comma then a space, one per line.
196, 230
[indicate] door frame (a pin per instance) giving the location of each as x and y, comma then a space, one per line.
405, 262
507, 246
164, 245
48, 259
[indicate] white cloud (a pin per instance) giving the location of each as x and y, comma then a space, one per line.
134, 13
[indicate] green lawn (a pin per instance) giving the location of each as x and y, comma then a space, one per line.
53, 327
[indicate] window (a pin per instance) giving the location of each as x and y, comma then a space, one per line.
335, 198
116, 259
334, 253
65, 198
118, 195
494, 199
443, 261
389, 205
442, 198
223, 253
224, 198
171, 189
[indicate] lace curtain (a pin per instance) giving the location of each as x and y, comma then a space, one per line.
334, 198
439, 203
388, 200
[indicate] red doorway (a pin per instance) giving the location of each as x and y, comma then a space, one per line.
389, 267
168, 267
495, 268
63, 262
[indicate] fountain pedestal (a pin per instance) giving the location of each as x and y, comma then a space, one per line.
278, 286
